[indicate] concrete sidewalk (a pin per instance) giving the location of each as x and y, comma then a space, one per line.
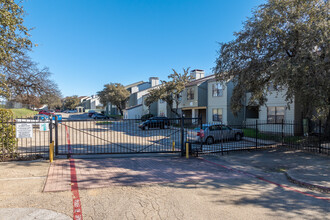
304, 169
31, 214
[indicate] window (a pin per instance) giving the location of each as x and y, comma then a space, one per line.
217, 114
275, 114
190, 94
179, 96
217, 90
252, 112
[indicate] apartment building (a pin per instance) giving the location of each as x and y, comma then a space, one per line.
136, 107
271, 114
194, 97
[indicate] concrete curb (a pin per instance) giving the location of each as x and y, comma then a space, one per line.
322, 189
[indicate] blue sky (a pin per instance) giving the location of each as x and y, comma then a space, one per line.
88, 43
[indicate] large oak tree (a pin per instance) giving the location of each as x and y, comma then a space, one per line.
14, 37
285, 44
116, 94
170, 91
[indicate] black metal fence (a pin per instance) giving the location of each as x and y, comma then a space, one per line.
261, 134
24, 138
129, 136
132, 136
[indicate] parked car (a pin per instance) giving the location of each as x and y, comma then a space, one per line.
99, 116
35, 121
146, 117
59, 117
91, 113
155, 122
41, 117
44, 112
211, 133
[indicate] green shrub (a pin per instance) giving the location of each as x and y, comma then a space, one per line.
7, 134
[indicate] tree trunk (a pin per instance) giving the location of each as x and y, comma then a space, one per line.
121, 111
327, 128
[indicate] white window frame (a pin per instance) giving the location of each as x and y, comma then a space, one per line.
277, 117
217, 116
190, 94
217, 90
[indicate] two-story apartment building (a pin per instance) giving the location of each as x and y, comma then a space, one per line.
136, 107
132, 88
194, 97
206, 98
219, 100
90, 102
273, 112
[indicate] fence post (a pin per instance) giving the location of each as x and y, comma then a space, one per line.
51, 129
222, 140
56, 135
182, 136
320, 136
282, 132
256, 134
201, 138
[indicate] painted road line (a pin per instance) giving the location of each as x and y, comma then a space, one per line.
265, 180
77, 211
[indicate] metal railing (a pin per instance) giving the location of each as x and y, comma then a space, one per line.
169, 135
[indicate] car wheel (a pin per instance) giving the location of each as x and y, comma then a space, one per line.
238, 137
209, 140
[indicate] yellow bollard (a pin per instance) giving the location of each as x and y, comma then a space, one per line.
173, 146
51, 152
187, 150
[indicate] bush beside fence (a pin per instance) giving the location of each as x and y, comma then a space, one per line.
8, 143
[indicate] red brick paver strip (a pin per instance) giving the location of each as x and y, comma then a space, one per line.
95, 173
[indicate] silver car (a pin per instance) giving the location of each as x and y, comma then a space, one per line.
211, 133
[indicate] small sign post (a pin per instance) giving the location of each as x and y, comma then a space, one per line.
24, 130
44, 127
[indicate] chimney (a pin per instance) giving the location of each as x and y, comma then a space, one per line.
197, 74
154, 81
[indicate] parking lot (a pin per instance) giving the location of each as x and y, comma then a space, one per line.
79, 134
95, 136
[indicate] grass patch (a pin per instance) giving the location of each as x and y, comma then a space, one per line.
23, 112
104, 122
250, 132
118, 117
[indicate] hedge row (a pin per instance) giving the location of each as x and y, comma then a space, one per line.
8, 144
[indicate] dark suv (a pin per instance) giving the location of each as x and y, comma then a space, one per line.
155, 122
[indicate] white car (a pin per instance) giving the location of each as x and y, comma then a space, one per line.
72, 111
210, 133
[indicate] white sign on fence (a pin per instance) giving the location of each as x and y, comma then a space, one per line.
24, 130
44, 127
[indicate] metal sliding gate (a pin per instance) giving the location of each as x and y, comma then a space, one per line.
128, 136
